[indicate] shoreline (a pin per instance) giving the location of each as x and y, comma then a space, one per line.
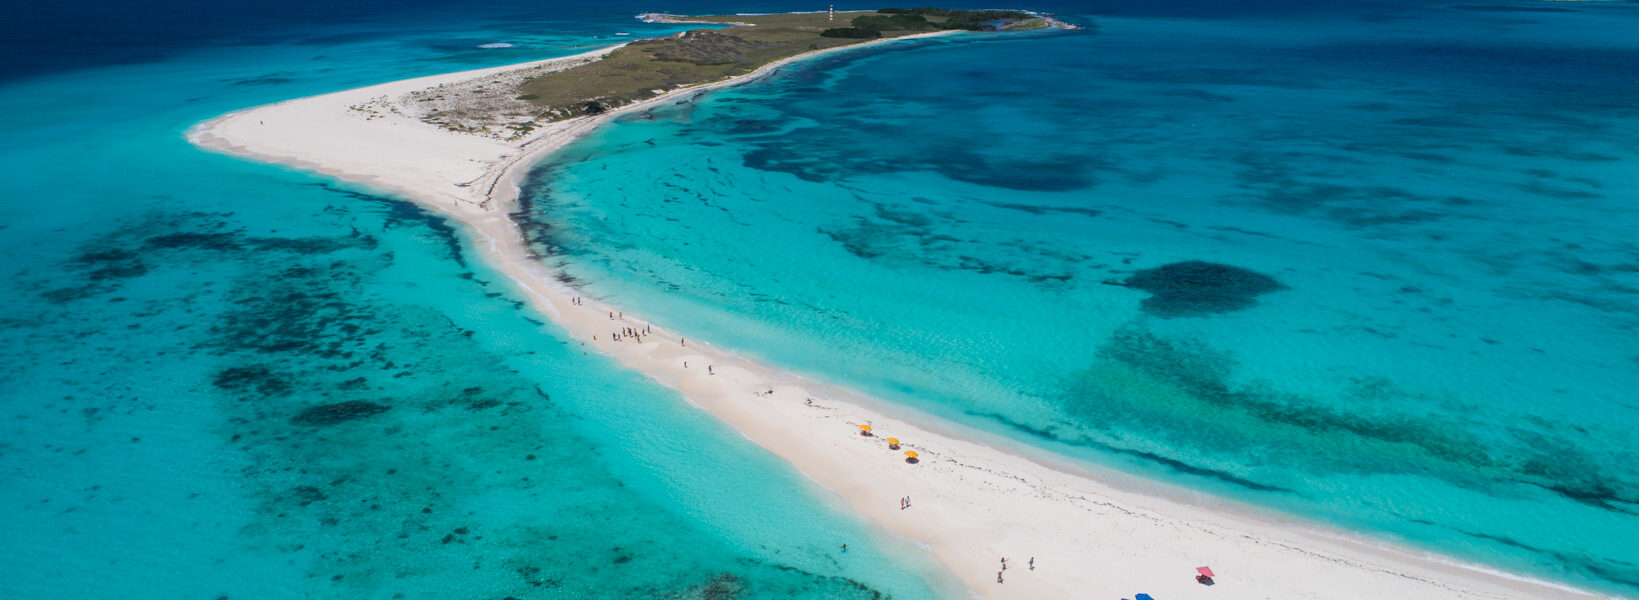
976, 496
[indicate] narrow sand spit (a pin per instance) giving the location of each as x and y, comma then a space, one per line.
975, 498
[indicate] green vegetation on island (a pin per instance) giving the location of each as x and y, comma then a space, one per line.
916, 19
852, 32
511, 106
949, 18
647, 68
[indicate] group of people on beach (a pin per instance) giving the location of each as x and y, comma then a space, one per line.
631, 332
624, 332
1004, 568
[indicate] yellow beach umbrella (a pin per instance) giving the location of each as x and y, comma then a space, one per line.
893, 441
910, 453
864, 427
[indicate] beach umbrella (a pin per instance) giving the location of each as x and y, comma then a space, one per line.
1205, 577
864, 427
910, 453
893, 441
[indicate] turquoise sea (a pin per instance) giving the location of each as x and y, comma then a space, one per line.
1373, 266
223, 379
1370, 264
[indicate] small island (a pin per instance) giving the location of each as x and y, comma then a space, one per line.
514, 106
462, 143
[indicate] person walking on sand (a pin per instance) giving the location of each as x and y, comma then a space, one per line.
998, 577
709, 371
1032, 563
1004, 563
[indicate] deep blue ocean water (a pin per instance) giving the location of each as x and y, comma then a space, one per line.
1370, 264
227, 379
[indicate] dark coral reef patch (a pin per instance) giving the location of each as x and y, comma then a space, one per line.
340, 412
1197, 288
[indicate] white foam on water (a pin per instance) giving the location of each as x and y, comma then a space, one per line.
496, 45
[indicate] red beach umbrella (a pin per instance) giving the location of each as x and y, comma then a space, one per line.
1205, 571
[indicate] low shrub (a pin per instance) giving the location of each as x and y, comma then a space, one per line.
851, 32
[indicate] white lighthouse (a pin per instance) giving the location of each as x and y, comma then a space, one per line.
832, 16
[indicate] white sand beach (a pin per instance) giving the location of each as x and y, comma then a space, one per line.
975, 498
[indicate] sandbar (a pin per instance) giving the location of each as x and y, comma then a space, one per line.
975, 497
